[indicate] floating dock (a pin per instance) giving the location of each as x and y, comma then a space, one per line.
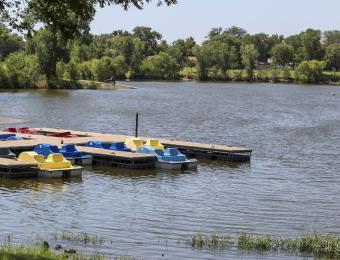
119, 159
10, 167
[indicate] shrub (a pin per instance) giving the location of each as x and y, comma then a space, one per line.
310, 71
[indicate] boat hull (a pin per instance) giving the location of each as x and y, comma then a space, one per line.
76, 171
189, 164
85, 161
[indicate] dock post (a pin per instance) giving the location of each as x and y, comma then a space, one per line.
136, 129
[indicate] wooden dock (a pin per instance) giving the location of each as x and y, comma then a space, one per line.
119, 159
11, 168
191, 149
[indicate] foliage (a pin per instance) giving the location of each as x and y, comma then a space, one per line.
249, 58
204, 58
332, 57
150, 39
160, 66
21, 70
310, 71
283, 54
9, 42
311, 42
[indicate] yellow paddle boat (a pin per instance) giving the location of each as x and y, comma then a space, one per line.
55, 166
134, 143
155, 144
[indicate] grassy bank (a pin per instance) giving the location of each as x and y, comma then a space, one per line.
260, 75
80, 84
57, 247
319, 245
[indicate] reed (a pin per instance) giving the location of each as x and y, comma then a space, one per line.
83, 238
320, 245
213, 241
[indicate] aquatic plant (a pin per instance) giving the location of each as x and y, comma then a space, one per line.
213, 241
82, 237
321, 245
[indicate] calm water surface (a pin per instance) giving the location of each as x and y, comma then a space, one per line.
291, 186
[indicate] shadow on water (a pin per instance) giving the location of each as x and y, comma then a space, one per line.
42, 92
132, 173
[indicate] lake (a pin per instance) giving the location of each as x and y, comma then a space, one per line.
290, 187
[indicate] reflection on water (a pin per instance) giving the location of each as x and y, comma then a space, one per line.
38, 184
290, 187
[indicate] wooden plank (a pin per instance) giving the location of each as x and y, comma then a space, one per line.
118, 138
117, 154
207, 147
12, 163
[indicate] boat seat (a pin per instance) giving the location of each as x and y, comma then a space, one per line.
155, 143
46, 149
11, 130
69, 150
119, 146
4, 137
13, 138
134, 143
98, 144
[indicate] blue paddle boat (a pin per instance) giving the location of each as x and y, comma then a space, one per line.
4, 137
117, 146
170, 158
69, 151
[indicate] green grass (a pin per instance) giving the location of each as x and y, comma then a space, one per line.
259, 74
320, 245
33, 252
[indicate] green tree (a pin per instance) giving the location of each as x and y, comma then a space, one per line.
332, 57
310, 71
64, 15
181, 50
225, 57
21, 69
160, 66
49, 48
263, 44
204, 60
296, 42
283, 54
331, 37
311, 41
236, 31
9, 42
150, 38
249, 57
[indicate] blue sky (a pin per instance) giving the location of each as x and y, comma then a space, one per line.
196, 17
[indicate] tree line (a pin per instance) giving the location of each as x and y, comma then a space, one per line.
226, 54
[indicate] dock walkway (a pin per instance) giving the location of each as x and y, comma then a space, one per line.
113, 158
11, 168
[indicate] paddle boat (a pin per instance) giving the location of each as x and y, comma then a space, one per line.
117, 146
134, 143
7, 153
27, 130
69, 151
55, 166
10, 129
171, 158
4, 137
66, 134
